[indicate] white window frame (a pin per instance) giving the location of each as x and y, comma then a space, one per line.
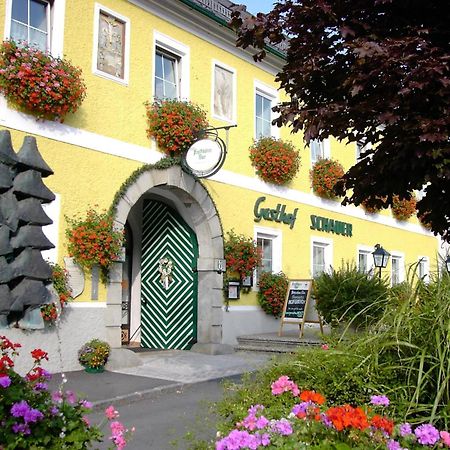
401, 269
181, 51
272, 94
361, 147
56, 25
328, 254
426, 262
126, 57
53, 211
326, 150
277, 245
368, 251
216, 63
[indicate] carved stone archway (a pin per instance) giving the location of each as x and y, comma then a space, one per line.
206, 224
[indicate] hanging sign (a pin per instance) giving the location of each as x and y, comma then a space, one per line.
277, 214
205, 156
298, 306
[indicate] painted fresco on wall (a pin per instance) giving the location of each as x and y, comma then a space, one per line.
111, 45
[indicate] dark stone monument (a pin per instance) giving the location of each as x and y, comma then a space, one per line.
24, 275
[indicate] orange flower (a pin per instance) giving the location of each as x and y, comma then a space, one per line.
312, 396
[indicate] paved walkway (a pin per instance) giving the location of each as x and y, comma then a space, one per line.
157, 372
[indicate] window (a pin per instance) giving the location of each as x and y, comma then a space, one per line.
263, 116
171, 69
321, 257
265, 99
223, 92
166, 75
423, 269
365, 261
111, 44
268, 241
30, 22
317, 150
396, 270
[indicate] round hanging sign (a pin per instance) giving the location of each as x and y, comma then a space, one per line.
205, 157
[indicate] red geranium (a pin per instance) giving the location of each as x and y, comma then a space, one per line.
324, 175
45, 86
174, 124
403, 209
241, 254
38, 354
275, 161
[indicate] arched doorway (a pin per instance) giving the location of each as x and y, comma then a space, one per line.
190, 201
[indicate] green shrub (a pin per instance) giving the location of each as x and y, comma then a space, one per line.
347, 294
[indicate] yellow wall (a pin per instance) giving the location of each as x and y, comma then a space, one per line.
85, 177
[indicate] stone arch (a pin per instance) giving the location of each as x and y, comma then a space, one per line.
207, 226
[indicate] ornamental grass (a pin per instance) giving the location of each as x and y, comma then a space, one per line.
174, 124
403, 209
324, 175
275, 161
37, 83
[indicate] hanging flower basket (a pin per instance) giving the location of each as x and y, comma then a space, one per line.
272, 292
324, 175
405, 208
94, 355
242, 254
275, 161
372, 209
38, 83
93, 240
174, 124
424, 221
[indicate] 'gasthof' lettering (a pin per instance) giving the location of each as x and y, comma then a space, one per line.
331, 226
277, 214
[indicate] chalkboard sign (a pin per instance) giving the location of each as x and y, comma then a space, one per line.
295, 306
299, 305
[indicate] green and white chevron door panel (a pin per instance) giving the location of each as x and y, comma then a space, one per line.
168, 284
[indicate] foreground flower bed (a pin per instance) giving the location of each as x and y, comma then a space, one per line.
311, 424
32, 417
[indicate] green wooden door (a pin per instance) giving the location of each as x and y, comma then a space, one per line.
168, 284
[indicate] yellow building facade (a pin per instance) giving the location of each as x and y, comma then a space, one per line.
131, 51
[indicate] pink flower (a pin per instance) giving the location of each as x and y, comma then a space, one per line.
325, 347
111, 413
284, 384
119, 441
117, 428
445, 436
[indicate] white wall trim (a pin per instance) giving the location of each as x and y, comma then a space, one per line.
233, 71
126, 56
10, 118
91, 304
183, 52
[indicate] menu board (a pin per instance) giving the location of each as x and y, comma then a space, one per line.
299, 305
296, 300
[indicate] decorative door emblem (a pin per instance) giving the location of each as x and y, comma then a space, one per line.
165, 269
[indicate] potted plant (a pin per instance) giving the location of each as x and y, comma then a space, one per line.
275, 161
174, 124
94, 355
242, 254
371, 208
272, 292
403, 209
93, 240
324, 175
38, 83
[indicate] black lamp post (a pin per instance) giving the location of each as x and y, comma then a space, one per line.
381, 258
447, 263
